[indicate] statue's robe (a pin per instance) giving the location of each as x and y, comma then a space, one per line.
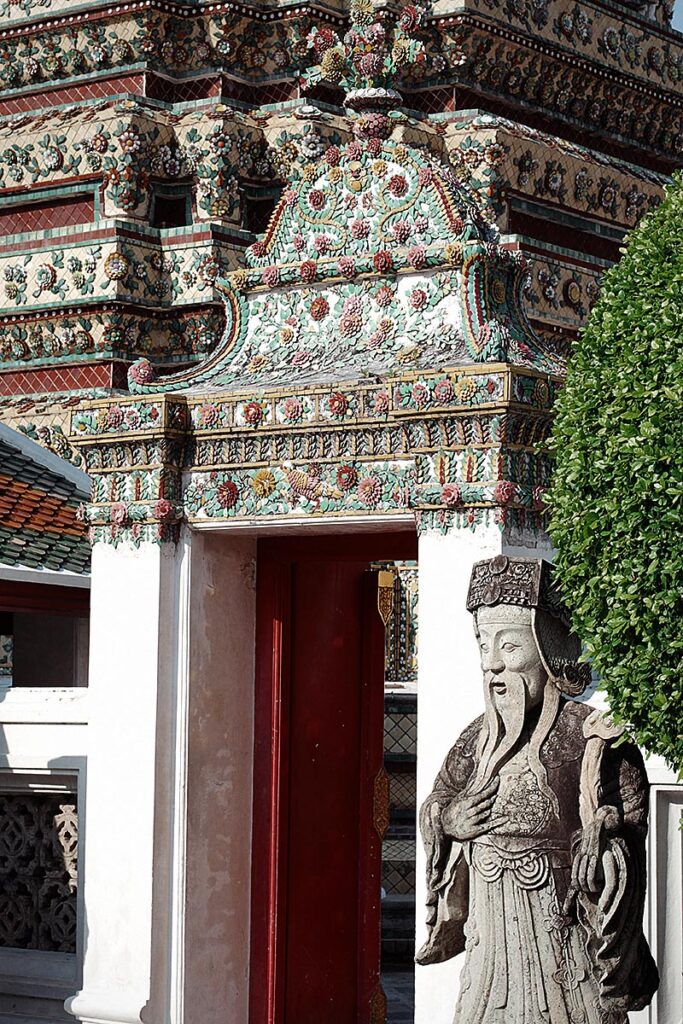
536, 951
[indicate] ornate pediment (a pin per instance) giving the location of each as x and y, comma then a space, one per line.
376, 260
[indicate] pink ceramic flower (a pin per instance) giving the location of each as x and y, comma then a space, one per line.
119, 513
253, 413
384, 297
346, 266
505, 492
398, 186
417, 256
338, 404
208, 415
271, 276
418, 298
320, 307
370, 491
316, 198
383, 261
292, 409
401, 230
142, 372
163, 509
308, 271
347, 478
451, 495
381, 402
420, 395
114, 416
444, 391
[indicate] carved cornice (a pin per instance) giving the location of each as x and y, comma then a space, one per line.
457, 447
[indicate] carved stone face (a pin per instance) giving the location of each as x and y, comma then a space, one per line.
510, 659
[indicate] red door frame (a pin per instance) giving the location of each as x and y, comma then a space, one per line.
276, 559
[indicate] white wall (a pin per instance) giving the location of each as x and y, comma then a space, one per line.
219, 778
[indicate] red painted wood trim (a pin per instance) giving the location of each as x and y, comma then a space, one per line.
400, 545
372, 762
16, 596
268, 911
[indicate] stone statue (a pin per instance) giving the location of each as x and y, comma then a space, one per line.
535, 829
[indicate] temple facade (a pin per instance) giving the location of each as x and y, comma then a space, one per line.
296, 287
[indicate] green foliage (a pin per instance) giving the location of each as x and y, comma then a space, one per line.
617, 495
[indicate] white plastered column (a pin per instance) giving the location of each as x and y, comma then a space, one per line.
171, 723
450, 696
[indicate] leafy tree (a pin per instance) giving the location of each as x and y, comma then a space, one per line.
617, 496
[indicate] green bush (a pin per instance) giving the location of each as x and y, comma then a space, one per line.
617, 496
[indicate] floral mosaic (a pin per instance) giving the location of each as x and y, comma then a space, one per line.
68, 338
284, 490
593, 33
149, 273
562, 291
496, 155
130, 146
252, 47
358, 372
490, 422
372, 54
575, 94
345, 264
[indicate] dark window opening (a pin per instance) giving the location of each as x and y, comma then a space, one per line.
258, 211
172, 210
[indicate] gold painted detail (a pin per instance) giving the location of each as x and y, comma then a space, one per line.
386, 584
378, 1006
381, 803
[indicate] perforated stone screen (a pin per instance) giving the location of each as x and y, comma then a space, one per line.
38, 871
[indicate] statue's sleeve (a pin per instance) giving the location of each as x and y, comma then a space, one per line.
613, 918
447, 871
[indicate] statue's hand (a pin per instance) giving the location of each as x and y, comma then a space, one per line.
587, 865
588, 874
470, 817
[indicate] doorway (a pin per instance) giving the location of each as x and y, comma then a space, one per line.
321, 793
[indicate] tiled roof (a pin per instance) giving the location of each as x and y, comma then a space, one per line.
39, 495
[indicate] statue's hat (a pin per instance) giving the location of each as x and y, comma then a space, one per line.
526, 582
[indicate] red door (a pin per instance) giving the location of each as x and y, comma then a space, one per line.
315, 935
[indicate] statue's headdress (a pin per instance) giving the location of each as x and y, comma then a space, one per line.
528, 583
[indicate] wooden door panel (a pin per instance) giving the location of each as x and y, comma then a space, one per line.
319, 725
325, 720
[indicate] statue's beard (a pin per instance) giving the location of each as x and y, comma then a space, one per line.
505, 698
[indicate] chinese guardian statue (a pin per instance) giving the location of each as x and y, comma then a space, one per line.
535, 829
